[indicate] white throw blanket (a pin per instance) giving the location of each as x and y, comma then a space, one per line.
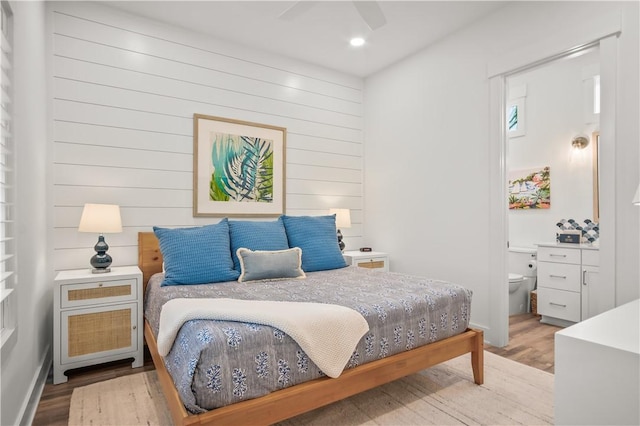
328, 334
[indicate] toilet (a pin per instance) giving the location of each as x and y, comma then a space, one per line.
522, 278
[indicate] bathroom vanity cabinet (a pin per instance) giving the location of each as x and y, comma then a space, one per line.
569, 289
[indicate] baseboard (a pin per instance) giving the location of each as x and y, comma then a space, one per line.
28, 410
556, 321
484, 329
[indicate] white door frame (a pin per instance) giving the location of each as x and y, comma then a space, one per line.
604, 31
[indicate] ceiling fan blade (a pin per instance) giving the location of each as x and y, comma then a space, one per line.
371, 13
296, 10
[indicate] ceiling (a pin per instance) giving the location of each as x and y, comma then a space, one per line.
320, 35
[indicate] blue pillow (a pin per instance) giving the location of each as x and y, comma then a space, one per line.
270, 265
196, 255
316, 236
256, 236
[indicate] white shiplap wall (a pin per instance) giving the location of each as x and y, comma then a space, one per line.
124, 93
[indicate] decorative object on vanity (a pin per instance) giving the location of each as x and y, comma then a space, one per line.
238, 168
569, 237
343, 220
102, 219
530, 189
589, 231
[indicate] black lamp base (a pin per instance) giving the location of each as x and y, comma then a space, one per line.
340, 243
101, 260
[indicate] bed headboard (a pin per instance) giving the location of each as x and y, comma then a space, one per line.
149, 256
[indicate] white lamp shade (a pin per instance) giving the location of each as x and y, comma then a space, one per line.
100, 218
343, 217
636, 199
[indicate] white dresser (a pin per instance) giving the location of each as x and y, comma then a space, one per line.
597, 366
569, 289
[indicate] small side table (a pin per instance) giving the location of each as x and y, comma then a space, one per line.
96, 318
367, 259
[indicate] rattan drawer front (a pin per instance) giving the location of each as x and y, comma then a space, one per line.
99, 292
103, 331
85, 294
371, 260
372, 264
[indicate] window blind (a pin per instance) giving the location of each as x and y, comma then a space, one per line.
7, 182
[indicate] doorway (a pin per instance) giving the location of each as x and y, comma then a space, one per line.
499, 71
550, 108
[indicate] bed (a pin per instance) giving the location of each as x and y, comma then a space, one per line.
290, 401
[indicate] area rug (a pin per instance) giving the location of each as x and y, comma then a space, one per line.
512, 394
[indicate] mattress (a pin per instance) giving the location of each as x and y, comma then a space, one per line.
217, 363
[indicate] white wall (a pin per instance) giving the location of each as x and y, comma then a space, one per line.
124, 93
554, 111
427, 150
25, 365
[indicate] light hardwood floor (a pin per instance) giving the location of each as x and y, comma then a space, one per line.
53, 408
530, 343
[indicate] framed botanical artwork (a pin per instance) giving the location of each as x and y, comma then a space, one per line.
238, 168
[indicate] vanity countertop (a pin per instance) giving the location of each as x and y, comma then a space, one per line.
588, 246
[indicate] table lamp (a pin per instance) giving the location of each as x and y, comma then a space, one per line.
102, 219
343, 220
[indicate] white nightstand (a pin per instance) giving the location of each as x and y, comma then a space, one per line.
96, 318
370, 259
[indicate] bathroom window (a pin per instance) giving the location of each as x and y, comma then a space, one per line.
596, 94
591, 96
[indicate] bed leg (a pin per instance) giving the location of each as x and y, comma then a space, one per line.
477, 358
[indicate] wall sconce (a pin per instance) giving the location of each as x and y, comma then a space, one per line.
636, 198
577, 155
579, 142
100, 218
343, 220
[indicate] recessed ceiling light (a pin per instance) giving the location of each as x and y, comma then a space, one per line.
357, 41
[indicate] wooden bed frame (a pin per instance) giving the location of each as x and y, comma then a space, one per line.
304, 397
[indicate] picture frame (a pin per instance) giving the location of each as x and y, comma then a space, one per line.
530, 189
238, 168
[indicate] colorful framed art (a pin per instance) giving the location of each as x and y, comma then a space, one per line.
238, 168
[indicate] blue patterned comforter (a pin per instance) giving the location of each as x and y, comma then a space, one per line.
217, 363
